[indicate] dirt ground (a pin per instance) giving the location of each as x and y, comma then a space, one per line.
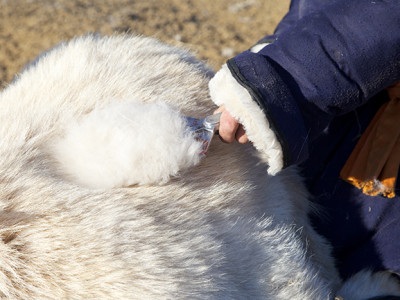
214, 29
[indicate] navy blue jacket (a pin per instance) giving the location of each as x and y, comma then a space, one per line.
320, 82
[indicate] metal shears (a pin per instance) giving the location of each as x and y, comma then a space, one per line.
204, 129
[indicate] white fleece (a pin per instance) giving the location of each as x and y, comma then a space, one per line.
257, 48
126, 143
225, 90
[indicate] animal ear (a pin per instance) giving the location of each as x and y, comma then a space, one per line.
126, 143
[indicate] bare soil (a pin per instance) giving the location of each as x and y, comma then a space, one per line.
214, 29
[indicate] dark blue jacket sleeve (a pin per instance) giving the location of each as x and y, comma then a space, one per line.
327, 63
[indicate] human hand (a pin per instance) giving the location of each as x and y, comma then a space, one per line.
229, 128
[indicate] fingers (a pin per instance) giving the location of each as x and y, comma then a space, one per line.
229, 128
241, 135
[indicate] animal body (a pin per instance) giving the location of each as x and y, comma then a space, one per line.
90, 209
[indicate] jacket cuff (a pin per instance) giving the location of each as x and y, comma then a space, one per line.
225, 90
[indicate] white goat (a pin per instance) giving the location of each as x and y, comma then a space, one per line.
102, 193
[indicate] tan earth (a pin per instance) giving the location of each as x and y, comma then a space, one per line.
214, 29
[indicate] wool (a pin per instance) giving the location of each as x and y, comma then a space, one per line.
127, 143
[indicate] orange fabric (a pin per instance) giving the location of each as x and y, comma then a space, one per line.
374, 163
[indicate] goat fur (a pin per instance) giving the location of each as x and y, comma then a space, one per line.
220, 229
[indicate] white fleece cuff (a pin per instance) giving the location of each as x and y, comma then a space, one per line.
225, 90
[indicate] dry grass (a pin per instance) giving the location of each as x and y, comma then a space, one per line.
214, 29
